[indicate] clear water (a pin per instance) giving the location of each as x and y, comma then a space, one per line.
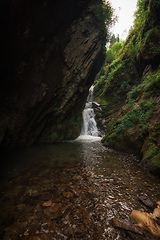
87, 185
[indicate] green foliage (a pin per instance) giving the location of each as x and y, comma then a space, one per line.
115, 77
109, 56
138, 114
113, 52
140, 105
112, 40
116, 47
149, 87
123, 86
143, 39
142, 42
104, 13
112, 68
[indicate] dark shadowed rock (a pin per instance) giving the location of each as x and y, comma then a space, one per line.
146, 201
51, 52
126, 225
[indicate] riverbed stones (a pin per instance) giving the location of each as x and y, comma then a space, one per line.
42, 237
80, 210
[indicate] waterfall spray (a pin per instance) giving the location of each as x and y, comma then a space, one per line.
89, 123
89, 128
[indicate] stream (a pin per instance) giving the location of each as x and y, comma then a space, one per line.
71, 190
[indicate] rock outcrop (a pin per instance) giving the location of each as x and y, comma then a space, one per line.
51, 52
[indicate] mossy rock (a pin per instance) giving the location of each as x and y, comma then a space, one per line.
150, 44
151, 149
156, 161
54, 136
154, 8
112, 140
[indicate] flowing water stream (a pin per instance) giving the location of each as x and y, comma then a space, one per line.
89, 128
84, 185
71, 190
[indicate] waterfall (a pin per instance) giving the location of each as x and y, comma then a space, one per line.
89, 128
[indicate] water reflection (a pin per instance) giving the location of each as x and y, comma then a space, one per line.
71, 191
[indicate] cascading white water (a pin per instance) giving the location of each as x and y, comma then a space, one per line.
89, 127
89, 123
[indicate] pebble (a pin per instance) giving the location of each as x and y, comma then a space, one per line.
47, 204
68, 194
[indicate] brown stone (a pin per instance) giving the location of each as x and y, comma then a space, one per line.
42, 237
57, 214
68, 194
120, 223
47, 204
146, 201
56, 200
56, 207
21, 206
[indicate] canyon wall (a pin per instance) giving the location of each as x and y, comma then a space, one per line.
128, 90
50, 54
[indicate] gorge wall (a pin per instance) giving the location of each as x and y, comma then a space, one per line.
50, 54
128, 90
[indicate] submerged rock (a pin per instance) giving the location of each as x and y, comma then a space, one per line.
68, 194
47, 204
146, 201
56, 207
126, 225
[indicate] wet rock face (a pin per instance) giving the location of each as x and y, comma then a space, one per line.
51, 52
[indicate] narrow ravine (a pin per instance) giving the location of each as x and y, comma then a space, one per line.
58, 181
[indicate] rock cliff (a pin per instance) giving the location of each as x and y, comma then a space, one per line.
128, 91
50, 54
